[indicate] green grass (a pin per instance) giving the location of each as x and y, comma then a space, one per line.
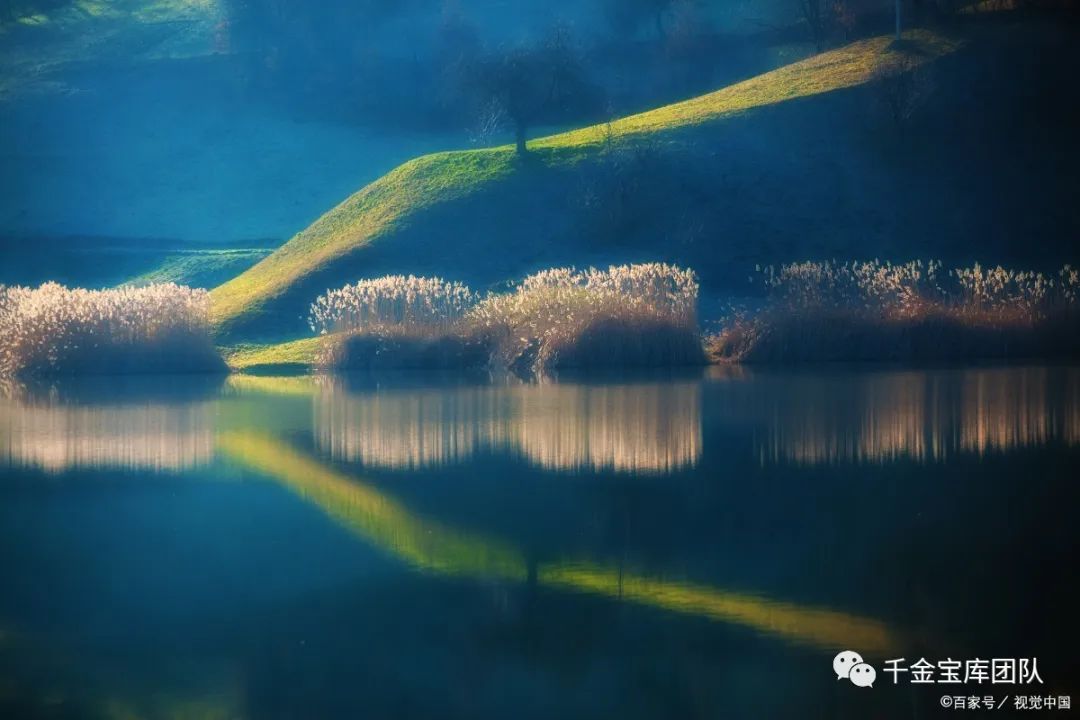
295, 355
391, 201
200, 268
424, 181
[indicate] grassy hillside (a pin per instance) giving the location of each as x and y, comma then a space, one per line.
201, 268
271, 297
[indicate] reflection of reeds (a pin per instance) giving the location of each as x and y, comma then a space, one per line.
56, 437
617, 427
631, 427
429, 545
922, 416
1007, 409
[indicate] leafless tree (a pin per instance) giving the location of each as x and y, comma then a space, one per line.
628, 15
816, 14
527, 84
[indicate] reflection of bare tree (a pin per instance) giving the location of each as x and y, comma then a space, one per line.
56, 436
903, 85
922, 416
639, 427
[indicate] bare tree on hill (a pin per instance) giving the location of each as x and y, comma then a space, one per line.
527, 85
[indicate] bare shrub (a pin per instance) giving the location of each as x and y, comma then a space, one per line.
902, 86
55, 330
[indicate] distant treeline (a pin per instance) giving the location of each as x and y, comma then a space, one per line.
455, 64
439, 63
445, 75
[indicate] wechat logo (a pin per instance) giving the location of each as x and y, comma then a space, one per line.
849, 664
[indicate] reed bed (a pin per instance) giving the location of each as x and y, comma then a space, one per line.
54, 330
626, 315
913, 311
413, 305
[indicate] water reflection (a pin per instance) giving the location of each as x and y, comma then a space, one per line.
820, 627
644, 427
53, 433
835, 418
429, 545
769, 555
640, 427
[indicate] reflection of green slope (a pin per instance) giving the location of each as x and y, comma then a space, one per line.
815, 626
279, 409
290, 386
397, 198
371, 514
428, 545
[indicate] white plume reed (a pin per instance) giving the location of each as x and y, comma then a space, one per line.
54, 329
394, 302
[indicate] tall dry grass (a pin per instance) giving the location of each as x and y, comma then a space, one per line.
410, 304
55, 330
626, 315
912, 311
642, 314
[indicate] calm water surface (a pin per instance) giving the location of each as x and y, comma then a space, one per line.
697, 545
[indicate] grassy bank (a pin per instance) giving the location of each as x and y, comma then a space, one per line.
281, 283
290, 356
645, 315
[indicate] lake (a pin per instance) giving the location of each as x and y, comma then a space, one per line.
677, 545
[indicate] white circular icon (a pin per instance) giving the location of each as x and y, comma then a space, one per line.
862, 675
844, 661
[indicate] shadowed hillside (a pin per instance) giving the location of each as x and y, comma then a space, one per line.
423, 192
803, 161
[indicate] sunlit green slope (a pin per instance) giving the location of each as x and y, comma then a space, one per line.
294, 355
394, 200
